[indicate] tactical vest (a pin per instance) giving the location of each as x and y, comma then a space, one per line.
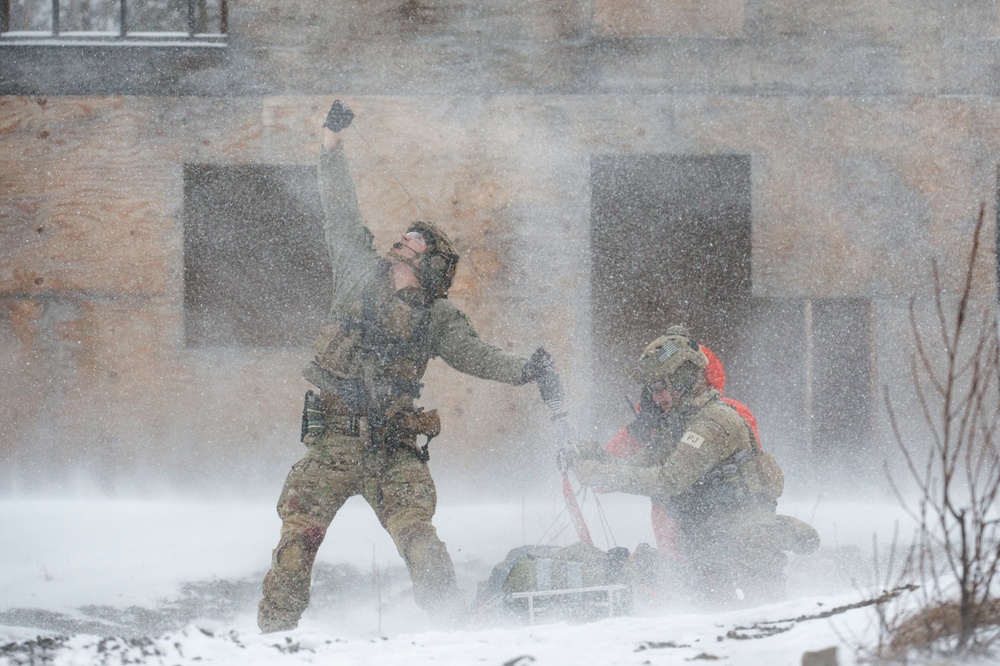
747, 478
376, 350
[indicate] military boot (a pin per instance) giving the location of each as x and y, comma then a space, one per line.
270, 618
795, 535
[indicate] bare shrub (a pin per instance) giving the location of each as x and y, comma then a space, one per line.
955, 554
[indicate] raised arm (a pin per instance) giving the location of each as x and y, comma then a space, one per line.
349, 242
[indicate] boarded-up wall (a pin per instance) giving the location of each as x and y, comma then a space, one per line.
870, 134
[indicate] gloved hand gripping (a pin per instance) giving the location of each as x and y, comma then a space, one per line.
541, 369
642, 426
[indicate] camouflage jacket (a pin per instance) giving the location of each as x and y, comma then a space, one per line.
380, 340
700, 461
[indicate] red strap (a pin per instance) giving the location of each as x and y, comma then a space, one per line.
574, 512
666, 531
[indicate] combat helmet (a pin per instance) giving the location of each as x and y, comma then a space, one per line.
673, 358
438, 262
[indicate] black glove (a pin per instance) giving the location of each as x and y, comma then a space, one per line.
540, 363
645, 420
646, 403
541, 369
339, 117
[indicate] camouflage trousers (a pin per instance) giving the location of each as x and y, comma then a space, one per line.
727, 561
742, 554
397, 485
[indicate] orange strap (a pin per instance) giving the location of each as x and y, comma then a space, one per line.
624, 445
748, 416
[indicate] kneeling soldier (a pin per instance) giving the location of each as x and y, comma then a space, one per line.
700, 463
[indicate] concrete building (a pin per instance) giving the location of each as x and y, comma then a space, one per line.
777, 175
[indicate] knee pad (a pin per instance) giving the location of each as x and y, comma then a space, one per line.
297, 549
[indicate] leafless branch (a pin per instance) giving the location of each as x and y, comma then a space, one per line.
956, 548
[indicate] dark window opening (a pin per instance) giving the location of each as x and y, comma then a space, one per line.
778, 366
670, 244
256, 269
188, 22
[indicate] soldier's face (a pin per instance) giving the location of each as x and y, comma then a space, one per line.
661, 394
409, 246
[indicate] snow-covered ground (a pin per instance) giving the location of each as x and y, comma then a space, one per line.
92, 581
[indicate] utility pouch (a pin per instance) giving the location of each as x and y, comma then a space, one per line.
423, 423
313, 420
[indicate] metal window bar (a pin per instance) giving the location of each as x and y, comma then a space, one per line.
123, 32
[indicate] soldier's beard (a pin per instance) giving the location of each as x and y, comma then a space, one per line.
392, 257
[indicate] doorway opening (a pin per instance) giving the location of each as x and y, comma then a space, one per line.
670, 244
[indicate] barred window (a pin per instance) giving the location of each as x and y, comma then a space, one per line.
156, 21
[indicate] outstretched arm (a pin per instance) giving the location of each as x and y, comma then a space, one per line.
706, 442
458, 345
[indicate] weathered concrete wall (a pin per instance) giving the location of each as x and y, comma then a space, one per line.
451, 47
871, 130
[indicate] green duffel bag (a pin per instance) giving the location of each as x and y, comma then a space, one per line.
543, 568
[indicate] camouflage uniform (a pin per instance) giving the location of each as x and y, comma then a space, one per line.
701, 463
373, 356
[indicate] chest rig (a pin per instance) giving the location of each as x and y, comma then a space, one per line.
666, 433
370, 360
723, 488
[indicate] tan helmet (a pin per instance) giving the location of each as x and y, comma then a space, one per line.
673, 358
438, 263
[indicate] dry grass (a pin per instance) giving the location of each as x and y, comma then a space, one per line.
955, 556
935, 629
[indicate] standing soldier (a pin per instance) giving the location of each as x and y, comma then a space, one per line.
390, 316
699, 460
